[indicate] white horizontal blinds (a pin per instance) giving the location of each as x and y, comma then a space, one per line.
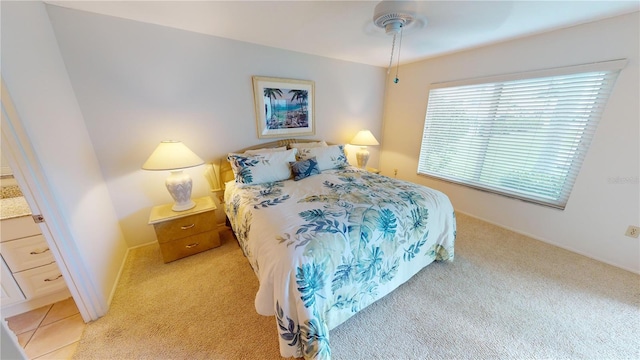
524, 138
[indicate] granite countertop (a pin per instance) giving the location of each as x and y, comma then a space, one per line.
12, 203
14, 207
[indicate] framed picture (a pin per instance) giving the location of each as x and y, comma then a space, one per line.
284, 107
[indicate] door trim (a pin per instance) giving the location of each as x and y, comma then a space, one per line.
28, 172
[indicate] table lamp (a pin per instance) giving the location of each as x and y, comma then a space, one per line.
175, 156
363, 139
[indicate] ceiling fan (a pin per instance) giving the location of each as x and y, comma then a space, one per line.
394, 17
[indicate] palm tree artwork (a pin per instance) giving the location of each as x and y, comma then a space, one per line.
272, 94
286, 112
301, 96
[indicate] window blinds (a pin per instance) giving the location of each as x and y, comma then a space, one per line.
524, 137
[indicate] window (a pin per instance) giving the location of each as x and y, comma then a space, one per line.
523, 136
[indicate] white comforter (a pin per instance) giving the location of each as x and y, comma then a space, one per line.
327, 246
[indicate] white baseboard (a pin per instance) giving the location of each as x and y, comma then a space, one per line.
124, 261
115, 283
548, 242
32, 304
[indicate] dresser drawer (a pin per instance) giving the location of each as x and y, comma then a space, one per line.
40, 281
186, 226
19, 227
26, 253
179, 248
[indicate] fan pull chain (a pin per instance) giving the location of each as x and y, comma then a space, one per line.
393, 46
395, 81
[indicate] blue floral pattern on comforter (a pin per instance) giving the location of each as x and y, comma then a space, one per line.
327, 246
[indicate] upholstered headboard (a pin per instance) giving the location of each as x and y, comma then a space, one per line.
226, 173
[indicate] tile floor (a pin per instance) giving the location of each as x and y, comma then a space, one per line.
49, 332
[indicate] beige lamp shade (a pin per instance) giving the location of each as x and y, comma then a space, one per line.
172, 155
175, 156
364, 138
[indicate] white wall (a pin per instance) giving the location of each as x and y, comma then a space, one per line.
138, 84
600, 207
35, 75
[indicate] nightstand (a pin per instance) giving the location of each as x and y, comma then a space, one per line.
185, 233
373, 170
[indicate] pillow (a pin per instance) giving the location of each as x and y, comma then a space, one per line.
308, 144
304, 168
265, 150
328, 157
262, 168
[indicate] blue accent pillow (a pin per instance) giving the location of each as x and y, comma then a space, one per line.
304, 168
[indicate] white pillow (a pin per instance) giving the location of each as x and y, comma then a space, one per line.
265, 150
308, 144
254, 169
328, 157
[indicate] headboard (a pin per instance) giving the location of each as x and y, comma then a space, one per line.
226, 173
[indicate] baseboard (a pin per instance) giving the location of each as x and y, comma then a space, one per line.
547, 241
32, 304
124, 261
141, 245
115, 283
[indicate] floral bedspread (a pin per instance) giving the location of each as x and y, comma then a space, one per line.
327, 246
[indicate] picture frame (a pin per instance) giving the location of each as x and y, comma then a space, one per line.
284, 107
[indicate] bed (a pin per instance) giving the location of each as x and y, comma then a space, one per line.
333, 241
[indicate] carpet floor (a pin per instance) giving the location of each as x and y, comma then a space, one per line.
505, 296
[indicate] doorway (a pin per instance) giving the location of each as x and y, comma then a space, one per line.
37, 305
31, 277
27, 172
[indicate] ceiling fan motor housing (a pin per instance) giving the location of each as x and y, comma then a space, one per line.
392, 16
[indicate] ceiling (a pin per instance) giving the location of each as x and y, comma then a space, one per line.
344, 29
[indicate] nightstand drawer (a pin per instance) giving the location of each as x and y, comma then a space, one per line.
186, 226
177, 249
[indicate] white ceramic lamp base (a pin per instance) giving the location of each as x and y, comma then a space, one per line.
179, 185
363, 157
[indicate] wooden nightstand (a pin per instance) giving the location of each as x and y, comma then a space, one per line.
185, 233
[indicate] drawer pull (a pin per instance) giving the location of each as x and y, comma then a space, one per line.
39, 252
192, 245
187, 227
59, 276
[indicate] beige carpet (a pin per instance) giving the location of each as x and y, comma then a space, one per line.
505, 296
